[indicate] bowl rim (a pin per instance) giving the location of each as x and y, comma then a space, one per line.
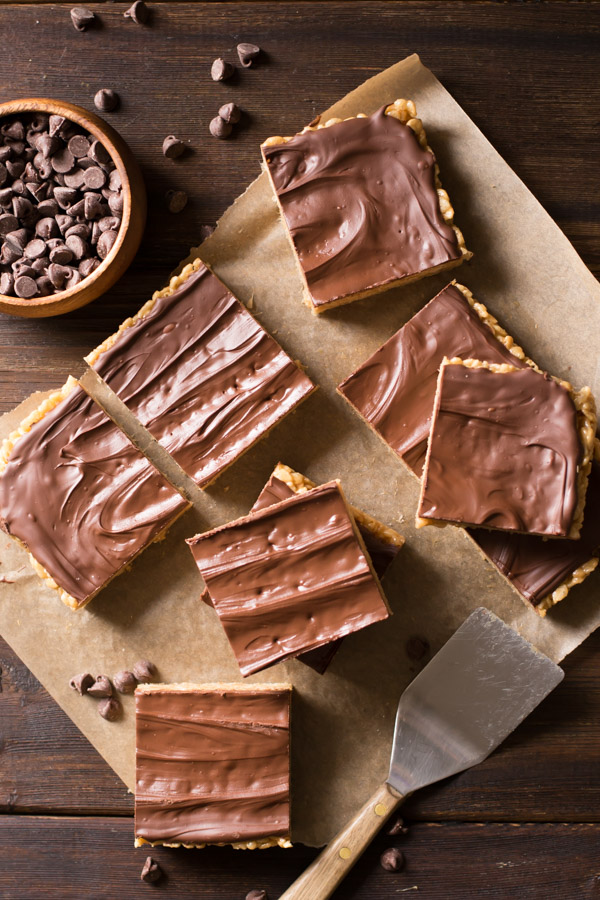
103, 132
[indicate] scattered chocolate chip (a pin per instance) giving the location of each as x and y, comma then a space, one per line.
205, 232
25, 287
105, 243
392, 860
221, 70
219, 128
144, 671
248, 53
257, 894
81, 683
151, 870
138, 13
172, 147
176, 201
397, 827
417, 647
82, 18
106, 100
109, 709
101, 686
7, 284
230, 113
125, 682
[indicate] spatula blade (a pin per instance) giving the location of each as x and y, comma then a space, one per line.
483, 682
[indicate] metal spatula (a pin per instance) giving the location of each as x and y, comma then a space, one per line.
483, 682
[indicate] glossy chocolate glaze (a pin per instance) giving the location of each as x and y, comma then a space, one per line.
535, 566
503, 452
361, 205
203, 376
395, 388
212, 766
288, 578
80, 496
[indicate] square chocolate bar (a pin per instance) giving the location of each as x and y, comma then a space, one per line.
213, 765
290, 577
362, 204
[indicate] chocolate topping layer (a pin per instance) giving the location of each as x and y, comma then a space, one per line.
80, 496
394, 390
360, 201
503, 452
202, 375
537, 567
212, 766
289, 578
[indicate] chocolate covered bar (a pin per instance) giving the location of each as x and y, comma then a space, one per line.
200, 373
508, 449
213, 765
362, 204
382, 544
289, 577
79, 496
394, 390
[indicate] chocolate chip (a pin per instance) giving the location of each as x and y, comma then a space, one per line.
397, 827
221, 70
7, 284
56, 124
257, 894
87, 266
4, 172
101, 686
15, 167
248, 53
14, 130
230, 113
18, 237
416, 647
106, 100
18, 187
176, 201
82, 18
392, 860
77, 246
46, 228
74, 179
8, 223
79, 146
151, 871
58, 275
94, 178
138, 13
114, 181
25, 287
48, 145
44, 286
99, 154
81, 683
63, 160
64, 222
5, 153
39, 122
76, 209
110, 709
125, 682
109, 223
144, 671
219, 128
73, 278
105, 243
35, 248
39, 192
65, 196
115, 203
172, 147
81, 230
6, 196
92, 207
10, 253
40, 265
23, 267
22, 208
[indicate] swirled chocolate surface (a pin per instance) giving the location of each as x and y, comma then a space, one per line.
203, 376
361, 205
537, 567
395, 388
212, 766
288, 578
503, 452
80, 496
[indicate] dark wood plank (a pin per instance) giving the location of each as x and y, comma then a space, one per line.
527, 73
95, 858
548, 770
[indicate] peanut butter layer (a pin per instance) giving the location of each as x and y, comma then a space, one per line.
81, 498
360, 201
289, 577
201, 374
213, 765
504, 451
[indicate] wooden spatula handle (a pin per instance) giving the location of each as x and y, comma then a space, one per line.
329, 869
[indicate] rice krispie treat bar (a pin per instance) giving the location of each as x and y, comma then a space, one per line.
213, 765
363, 206
79, 496
289, 577
509, 449
200, 373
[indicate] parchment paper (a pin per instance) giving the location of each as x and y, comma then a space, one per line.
528, 274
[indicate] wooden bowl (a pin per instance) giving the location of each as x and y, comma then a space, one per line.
132, 223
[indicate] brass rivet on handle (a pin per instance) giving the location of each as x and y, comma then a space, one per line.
345, 853
380, 809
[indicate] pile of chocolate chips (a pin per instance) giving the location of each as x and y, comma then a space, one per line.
61, 205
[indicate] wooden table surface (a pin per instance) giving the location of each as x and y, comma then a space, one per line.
526, 823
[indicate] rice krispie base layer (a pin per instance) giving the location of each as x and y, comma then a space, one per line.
363, 205
505, 451
213, 765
